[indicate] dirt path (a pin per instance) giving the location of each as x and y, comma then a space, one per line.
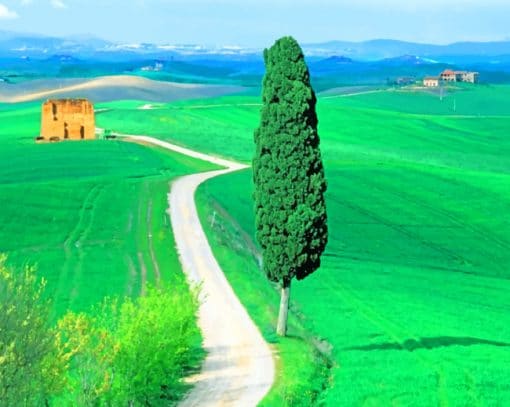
348, 95
239, 367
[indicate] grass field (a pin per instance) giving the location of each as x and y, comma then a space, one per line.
218, 125
413, 292
91, 216
410, 304
462, 99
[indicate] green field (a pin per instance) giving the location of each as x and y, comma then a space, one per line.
410, 305
91, 216
462, 99
219, 125
413, 293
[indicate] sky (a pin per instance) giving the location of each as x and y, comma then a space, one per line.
257, 23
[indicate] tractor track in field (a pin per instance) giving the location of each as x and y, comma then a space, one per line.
77, 232
379, 220
505, 244
393, 330
437, 211
239, 367
133, 272
401, 336
75, 239
140, 257
154, 260
143, 274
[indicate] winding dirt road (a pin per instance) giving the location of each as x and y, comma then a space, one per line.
239, 367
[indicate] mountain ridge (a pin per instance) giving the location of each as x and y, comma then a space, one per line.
16, 44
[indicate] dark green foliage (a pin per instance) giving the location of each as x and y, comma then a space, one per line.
288, 171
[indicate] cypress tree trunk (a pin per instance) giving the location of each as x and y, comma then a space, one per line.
281, 328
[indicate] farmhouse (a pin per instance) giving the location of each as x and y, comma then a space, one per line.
449, 75
67, 119
431, 82
471, 77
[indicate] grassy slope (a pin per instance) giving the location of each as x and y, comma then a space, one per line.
413, 290
489, 100
196, 124
91, 215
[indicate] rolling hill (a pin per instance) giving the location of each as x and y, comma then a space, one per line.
110, 88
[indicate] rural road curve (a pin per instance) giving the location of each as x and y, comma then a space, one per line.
239, 367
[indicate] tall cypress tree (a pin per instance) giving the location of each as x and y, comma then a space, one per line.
288, 173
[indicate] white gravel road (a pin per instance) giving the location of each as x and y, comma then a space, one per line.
239, 367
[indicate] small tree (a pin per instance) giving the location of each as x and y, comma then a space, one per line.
32, 369
288, 173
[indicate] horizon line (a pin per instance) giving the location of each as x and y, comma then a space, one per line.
304, 43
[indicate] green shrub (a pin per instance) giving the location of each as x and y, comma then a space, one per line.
91, 349
157, 345
135, 353
31, 366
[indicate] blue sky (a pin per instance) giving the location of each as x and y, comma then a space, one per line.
258, 23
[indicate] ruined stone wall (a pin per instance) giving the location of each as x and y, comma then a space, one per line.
68, 119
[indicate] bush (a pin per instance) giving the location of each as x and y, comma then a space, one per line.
133, 354
157, 337
31, 366
91, 349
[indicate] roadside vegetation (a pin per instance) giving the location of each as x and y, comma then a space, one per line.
125, 352
31, 366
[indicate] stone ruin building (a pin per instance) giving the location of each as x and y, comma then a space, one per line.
67, 119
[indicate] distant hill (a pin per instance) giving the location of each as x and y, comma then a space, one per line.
33, 45
64, 59
104, 89
12, 43
408, 60
338, 60
336, 63
382, 49
39, 46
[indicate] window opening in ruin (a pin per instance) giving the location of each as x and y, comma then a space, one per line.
66, 131
82, 132
54, 109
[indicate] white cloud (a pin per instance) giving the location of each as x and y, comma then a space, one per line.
58, 4
6, 14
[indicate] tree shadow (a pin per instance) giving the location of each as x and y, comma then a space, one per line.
429, 343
